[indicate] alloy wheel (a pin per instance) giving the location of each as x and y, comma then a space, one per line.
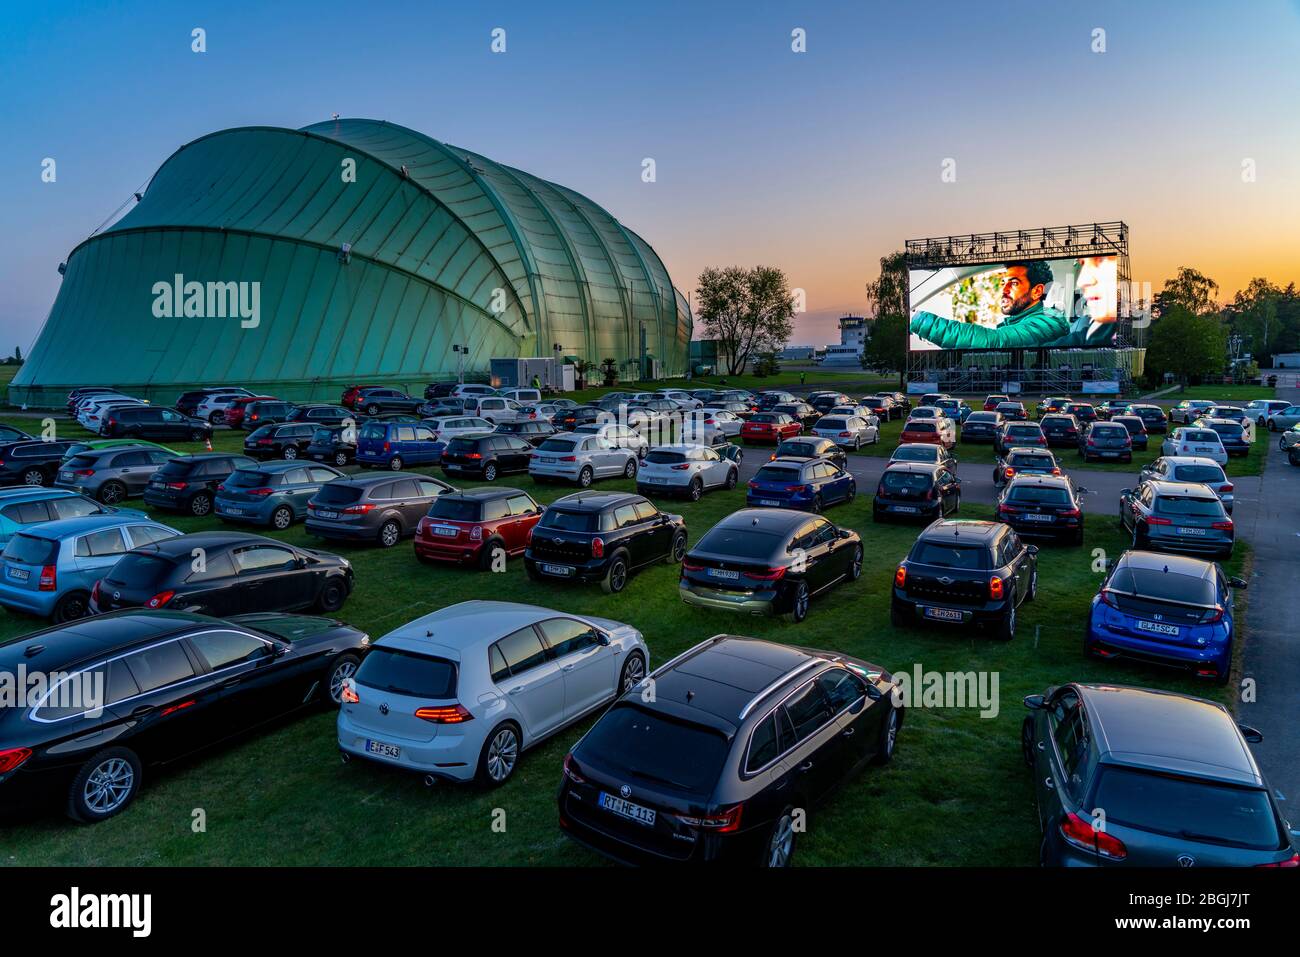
503, 752
339, 676
633, 672
109, 786
781, 846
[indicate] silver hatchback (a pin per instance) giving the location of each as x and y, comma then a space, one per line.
687, 470
574, 457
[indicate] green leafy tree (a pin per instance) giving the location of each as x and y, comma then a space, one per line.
1190, 346
1254, 315
748, 311
1190, 289
886, 348
888, 294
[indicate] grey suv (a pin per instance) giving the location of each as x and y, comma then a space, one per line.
373, 508
113, 474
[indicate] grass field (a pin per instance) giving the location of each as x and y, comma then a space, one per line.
957, 793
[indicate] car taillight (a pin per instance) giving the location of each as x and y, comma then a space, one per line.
1213, 615
1292, 861
259, 491
11, 758
1225, 489
996, 591
597, 547
1157, 520
846, 435
476, 533
160, 599
571, 772
253, 417
753, 484
769, 575
94, 591
796, 488
568, 458
177, 486
358, 509
1083, 835
1091, 440
681, 468
1224, 526
900, 576
265, 441
112, 422
691, 566
349, 693
1071, 513
49, 578
444, 714
1056, 471
1108, 597
85, 472
1005, 509
723, 822
1009, 472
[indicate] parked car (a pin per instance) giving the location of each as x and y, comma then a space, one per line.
811, 447
27, 506
441, 408
318, 415
532, 431
274, 494
916, 490
92, 445
710, 772
1189, 410
475, 525
1111, 408
212, 407
502, 678
1013, 434
1177, 517
681, 399
883, 406
1169, 468
189, 483
1174, 775
1232, 435
285, 440
439, 390
1137, 430
923, 452
1060, 430
1037, 504
938, 431
728, 423
570, 419
49, 569
848, 431
771, 398
1189, 441
575, 457
1152, 416
495, 409
1171, 610
1051, 405
237, 408
1023, 461
602, 537
806, 484
619, 436
94, 416
955, 409
447, 428
932, 399
1084, 413
1260, 409
1288, 418
337, 445
153, 422
991, 402
802, 412
823, 402
174, 684
1105, 440
9, 434
262, 412
112, 475
372, 400
188, 403
472, 388
963, 572
523, 396
1012, 411
373, 508
767, 561
240, 573
76, 396
688, 470
981, 427
31, 463
394, 446
486, 457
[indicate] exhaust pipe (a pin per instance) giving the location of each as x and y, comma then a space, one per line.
430, 780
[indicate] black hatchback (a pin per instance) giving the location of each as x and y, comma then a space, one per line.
284, 440
916, 490
188, 483
981, 427
486, 456
532, 431
1043, 505
739, 738
140, 688
224, 573
31, 463
336, 445
1106, 440
1060, 429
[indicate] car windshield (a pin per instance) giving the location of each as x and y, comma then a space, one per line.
632, 742
333, 493
1199, 473
30, 550
1038, 495
567, 521
402, 672
944, 555
1190, 809
1198, 507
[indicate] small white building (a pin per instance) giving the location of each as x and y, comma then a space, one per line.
1286, 360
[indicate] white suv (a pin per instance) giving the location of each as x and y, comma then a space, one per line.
495, 408
581, 458
687, 470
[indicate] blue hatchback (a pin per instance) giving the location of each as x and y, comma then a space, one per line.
395, 445
33, 505
274, 494
955, 409
1171, 610
807, 484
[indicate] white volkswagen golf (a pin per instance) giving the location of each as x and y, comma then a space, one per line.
459, 694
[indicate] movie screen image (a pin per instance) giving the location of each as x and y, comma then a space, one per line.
1026, 304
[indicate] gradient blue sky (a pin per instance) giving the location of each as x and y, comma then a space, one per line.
818, 162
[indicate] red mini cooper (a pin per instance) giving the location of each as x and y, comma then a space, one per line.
467, 527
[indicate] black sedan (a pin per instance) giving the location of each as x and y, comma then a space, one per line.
224, 573
1060, 429
322, 414
570, 419
146, 687
769, 561
1043, 505
286, 440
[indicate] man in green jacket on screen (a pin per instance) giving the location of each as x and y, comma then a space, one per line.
1029, 322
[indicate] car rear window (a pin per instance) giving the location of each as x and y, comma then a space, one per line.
1039, 495
557, 445
322, 436
764, 417
1192, 810
1200, 435
1164, 585
1199, 473
455, 509
926, 453
944, 555
1023, 430
915, 426
982, 417
906, 481
833, 424
775, 473
1179, 505
176, 468
462, 444
373, 430
402, 672
567, 521
659, 457
1227, 428
633, 742
1032, 461
82, 462
247, 478
139, 571
335, 493
741, 542
31, 550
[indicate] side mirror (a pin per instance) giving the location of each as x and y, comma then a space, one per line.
602, 638
1238, 583
280, 649
845, 533
1032, 549
1035, 702
1083, 491
1125, 491
1253, 735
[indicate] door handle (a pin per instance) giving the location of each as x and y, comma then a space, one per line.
230, 682
1049, 784
806, 766
515, 690
1042, 746
141, 711
566, 667
848, 732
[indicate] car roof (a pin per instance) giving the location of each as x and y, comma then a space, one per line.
66, 527
769, 519
957, 528
1029, 450
457, 629
722, 677
88, 638
206, 456
25, 493
927, 468
1048, 481
276, 467
182, 545
1165, 487
482, 494
1165, 731
365, 481
590, 500
1166, 561
1191, 460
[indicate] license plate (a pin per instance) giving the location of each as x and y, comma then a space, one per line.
445, 531
769, 501
65, 476
723, 573
326, 513
546, 459
633, 812
1184, 530
318, 458
18, 574
904, 508
234, 511
943, 614
1105, 454
1038, 517
558, 569
383, 750
1157, 627
658, 479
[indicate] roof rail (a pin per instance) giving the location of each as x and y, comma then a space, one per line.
754, 702
686, 654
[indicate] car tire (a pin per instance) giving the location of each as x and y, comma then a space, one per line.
616, 574
1006, 628
340, 459
629, 470
778, 850
201, 504
799, 602
340, 670
104, 786
631, 674
282, 518
816, 506
216, 418
490, 472
111, 493
395, 463
855, 566
1027, 741
486, 552
732, 478
72, 606
695, 490
888, 738
197, 435
372, 410
678, 550
390, 533
290, 452
1033, 585
585, 477
533, 574
332, 595
499, 756
33, 477
853, 493
896, 617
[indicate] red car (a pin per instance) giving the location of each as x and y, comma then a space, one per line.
931, 431
235, 411
350, 396
770, 427
991, 402
468, 527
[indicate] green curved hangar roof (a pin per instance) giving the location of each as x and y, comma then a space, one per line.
446, 246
